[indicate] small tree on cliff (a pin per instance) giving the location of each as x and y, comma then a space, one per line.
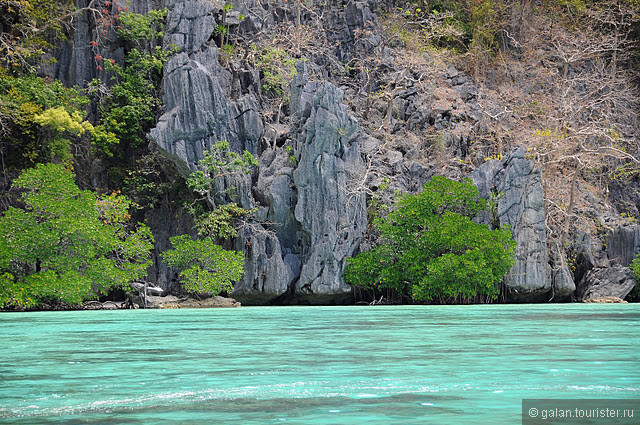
206, 267
65, 244
433, 250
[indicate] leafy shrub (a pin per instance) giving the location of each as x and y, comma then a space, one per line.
432, 250
28, 29
277, 69
65, 244
205, 267
130, 103
137, 27
217, 163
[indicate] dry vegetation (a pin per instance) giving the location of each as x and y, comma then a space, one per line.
559, 80
570, 97
556, 76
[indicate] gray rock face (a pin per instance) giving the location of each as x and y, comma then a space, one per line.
589, 254
316, 220
199, 111
615, 281
357, 15
266, 275
520, 205
75, 64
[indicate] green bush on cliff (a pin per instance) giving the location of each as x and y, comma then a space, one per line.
65, 244
219, 162
29, 27
26, 105
204, 266
433, 250
128, 108
130, 103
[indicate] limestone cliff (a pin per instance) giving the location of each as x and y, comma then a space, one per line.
362, 110
311, 199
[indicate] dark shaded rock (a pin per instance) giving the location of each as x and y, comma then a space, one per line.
615, 281
520, 204
266, 275
166, 221
625, 195
74, 64
357, 17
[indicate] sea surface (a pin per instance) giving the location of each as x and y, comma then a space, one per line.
313, 365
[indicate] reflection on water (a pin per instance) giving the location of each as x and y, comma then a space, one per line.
317, 365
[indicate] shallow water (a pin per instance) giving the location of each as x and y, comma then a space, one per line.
313, 365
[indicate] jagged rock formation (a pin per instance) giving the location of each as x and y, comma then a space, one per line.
601, 262
316, 222
563, 281
310, 214
199, 108
74, 64
599, 271
332, 217
308, 222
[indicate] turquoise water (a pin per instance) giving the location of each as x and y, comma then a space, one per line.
313, 365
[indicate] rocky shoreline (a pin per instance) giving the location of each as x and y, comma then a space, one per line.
171, 302
134, 303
